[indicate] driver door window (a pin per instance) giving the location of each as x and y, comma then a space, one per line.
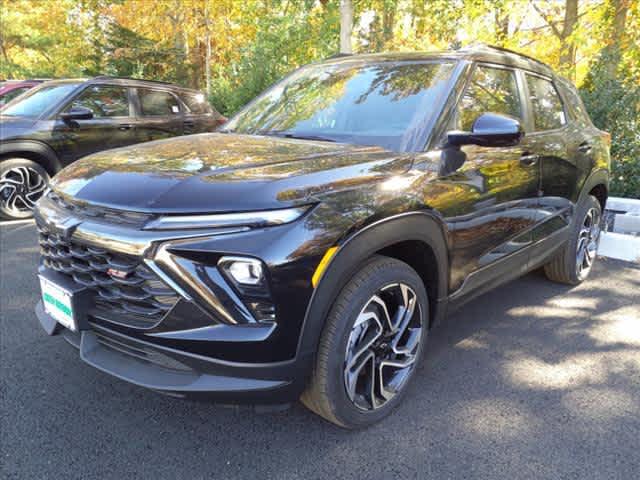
104, 101
489, 90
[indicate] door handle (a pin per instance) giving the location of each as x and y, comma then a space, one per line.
125, 126
529, 159
584, 148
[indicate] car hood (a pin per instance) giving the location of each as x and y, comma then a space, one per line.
218, 172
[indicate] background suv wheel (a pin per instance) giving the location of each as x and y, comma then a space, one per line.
22, 183
373, 339
573, 264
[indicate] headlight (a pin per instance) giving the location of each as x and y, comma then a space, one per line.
248, 277
243, 219
244, 270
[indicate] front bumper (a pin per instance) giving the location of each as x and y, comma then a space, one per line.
179, 373
161, 314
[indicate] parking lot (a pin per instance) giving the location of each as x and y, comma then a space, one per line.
535, 381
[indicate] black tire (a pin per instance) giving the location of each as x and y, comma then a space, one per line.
327, 393
564, 267
22, 182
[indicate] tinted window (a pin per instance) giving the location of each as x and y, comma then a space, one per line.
548, 112
386, 104
37, 100
572, 98
196, 102
10, 95
104, 101
489, 90
157, 103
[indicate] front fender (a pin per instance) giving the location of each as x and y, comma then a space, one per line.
355, 249
49, 158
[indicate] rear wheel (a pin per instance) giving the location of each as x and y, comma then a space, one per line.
574, 263
22, 183
370, 346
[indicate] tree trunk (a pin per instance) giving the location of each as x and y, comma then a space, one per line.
388, 22
346, 25
207, 58
619, 9
568, 48
501, 25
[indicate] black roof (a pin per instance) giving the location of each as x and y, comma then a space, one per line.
474, 52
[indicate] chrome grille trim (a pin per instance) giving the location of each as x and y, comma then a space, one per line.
98, 213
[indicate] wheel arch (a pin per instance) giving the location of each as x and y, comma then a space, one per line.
416, 238
38, 152
597, 184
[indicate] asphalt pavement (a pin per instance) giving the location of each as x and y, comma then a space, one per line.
534, 380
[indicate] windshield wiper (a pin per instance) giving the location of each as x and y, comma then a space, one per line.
301, 136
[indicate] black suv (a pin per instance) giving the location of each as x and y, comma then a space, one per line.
306, 250
60, 121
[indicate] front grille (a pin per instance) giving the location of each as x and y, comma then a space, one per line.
139, 299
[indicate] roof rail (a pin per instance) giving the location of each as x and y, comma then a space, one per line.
480, 45
109, 77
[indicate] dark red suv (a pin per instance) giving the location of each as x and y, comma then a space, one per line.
10, 89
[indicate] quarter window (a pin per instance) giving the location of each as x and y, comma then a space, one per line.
490, 90
104, 101
548, 112
197, 103
156, 103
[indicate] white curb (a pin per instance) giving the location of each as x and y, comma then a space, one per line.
620, 246
623, 243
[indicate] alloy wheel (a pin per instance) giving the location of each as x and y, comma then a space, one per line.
587, 245
383, 346
20, 189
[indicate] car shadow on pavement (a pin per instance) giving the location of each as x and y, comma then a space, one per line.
533, 380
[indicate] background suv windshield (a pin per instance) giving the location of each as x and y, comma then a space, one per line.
384, 104
34, 103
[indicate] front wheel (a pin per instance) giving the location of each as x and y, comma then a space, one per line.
22, 183
373, 339
575, 261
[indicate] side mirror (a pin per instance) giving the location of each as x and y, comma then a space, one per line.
489, 130
77, 113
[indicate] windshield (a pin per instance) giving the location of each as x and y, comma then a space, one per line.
385, 104
35, 102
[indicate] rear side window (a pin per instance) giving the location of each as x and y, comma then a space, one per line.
104, 101
196, 102
490, 90
156, 103
548, 111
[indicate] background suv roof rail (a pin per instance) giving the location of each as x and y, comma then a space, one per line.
109, 77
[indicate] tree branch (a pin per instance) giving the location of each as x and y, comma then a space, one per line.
547, 19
